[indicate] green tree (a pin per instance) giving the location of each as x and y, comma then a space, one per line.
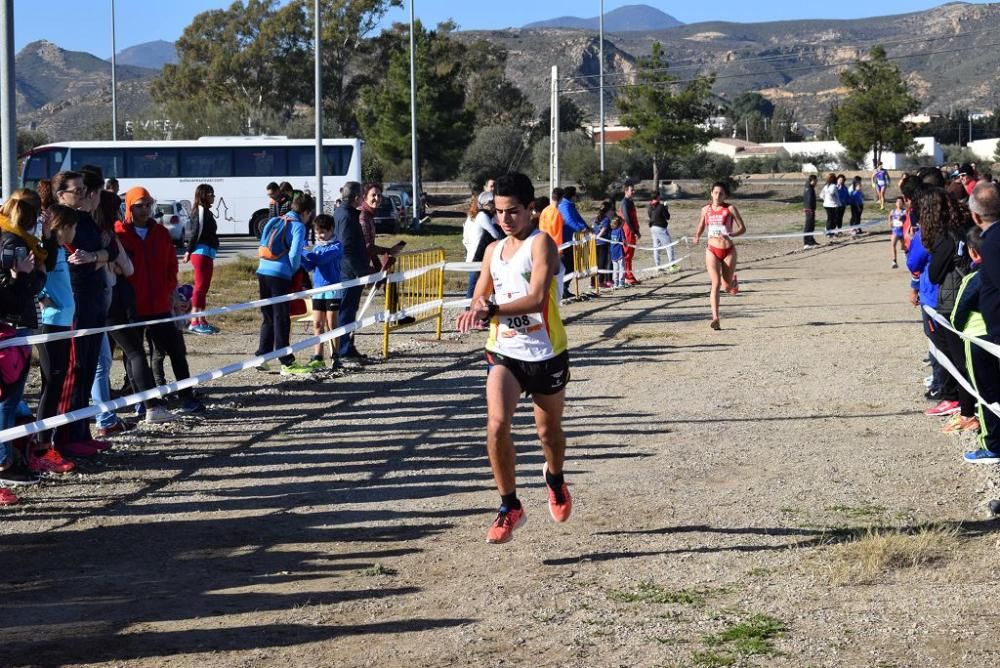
870, 118
668, 119
489, 94
783, 126
495, 150
571, 119
444, 125
29, 139
248, 69
996, 153
749, 114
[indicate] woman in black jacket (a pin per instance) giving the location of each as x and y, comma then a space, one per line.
22, 277
944, 222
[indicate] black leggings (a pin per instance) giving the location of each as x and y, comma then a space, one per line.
167, 341
831, 218
136, 366
956, 353
53, 358
85, 351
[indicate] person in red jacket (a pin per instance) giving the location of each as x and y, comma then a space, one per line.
631, 229
154, 282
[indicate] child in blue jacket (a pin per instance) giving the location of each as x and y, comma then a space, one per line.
324, 262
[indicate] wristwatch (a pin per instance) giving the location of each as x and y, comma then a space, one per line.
491, 310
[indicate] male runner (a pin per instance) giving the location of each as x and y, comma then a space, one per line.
525, 351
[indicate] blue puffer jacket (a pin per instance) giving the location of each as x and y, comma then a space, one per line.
572, 220
918, 261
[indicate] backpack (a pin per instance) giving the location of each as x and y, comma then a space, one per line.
13, 360
274, 239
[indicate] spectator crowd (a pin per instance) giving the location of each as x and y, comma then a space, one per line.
945, 221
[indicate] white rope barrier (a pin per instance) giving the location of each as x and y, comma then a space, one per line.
991, 348
960, 378
201, 378
363, 322
256, 304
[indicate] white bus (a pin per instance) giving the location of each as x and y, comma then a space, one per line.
238, 168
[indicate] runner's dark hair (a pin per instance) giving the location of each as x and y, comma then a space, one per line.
518, 186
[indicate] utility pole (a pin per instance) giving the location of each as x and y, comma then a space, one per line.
601, 57
554, 132
318, 82
414, 159
114, 77
8, 107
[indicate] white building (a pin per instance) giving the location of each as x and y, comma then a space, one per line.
984, 149
928, 147
738, 149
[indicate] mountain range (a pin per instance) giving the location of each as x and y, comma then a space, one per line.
623, 19
947, 54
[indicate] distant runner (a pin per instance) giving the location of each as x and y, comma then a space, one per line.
880, 182
720, 219
897, 217
518, 294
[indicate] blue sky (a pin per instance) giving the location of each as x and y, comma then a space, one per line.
85, 26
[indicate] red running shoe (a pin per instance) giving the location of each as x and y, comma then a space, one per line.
502, 529
560, 502
7, 497
77, 449
49, 461
100, 446
944, 408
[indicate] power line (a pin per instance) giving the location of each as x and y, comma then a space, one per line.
790, 69
787, 56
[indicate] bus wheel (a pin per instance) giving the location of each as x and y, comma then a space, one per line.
257, 223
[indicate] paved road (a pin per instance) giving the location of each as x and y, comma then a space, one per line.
232, 247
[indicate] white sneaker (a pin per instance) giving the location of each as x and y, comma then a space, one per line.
159, 414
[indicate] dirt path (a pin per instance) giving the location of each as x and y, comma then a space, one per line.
725, 485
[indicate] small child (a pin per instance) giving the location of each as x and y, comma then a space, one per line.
324, 262
617, 252
857, 205
896, 218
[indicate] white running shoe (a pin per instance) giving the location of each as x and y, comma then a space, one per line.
159, 415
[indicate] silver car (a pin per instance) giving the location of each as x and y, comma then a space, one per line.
175, 215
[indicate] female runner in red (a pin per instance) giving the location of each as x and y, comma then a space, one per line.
721, 222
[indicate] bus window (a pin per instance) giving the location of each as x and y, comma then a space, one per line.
35, 169
264, 161
151, 163
301, 161
109, 160
206, 163
337, 160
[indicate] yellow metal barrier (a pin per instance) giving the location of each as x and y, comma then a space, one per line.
585, 260
592, 265
410, 292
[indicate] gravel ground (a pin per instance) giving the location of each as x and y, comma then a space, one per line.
766, 495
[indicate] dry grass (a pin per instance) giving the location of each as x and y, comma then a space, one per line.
232, 283
879, 552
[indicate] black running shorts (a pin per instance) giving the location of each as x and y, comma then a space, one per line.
326, 305
547, 377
